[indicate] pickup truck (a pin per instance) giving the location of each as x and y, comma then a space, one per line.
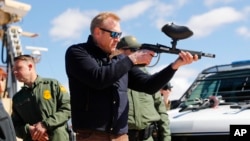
218, 98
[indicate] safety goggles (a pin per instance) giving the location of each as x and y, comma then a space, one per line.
113, 34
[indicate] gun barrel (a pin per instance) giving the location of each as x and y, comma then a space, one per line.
158, 48
200, 53
209, 55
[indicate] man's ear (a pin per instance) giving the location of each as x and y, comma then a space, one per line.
97, 31
30, 66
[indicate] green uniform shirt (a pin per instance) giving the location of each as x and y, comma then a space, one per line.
145, 109
46, 101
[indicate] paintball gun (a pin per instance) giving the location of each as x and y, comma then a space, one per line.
175, 32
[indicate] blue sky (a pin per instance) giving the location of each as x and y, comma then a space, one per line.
221, 27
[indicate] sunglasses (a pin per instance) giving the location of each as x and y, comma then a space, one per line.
113, 34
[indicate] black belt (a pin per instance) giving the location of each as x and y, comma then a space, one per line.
85, 133
136, 135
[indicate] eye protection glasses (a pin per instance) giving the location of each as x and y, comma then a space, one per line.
113, 34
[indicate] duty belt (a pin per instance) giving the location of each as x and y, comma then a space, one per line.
136, 135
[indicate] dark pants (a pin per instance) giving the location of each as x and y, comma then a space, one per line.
91, 135
7, 131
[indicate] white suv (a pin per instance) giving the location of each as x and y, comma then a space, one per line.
218, 98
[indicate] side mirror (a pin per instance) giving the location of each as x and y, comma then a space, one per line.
174, 104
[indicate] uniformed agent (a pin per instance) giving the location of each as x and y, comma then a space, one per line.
147, 116
41, 108
165, 92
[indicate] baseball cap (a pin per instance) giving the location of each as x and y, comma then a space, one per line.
167, 86
128, 42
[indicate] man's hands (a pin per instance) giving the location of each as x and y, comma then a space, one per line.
184, 59
38, 132
144, 57
141, 57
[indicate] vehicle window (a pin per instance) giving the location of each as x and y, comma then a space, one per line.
233, 86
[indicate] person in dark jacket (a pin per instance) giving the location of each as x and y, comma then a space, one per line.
7, 131
41, 108
98, 80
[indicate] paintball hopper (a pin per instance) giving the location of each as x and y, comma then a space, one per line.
176, 32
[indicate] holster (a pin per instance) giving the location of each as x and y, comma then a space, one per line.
155, 133
148, 131
138, 135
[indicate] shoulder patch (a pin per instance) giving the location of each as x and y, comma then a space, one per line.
46, 94
63, 89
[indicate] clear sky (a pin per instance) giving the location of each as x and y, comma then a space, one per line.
221, 27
